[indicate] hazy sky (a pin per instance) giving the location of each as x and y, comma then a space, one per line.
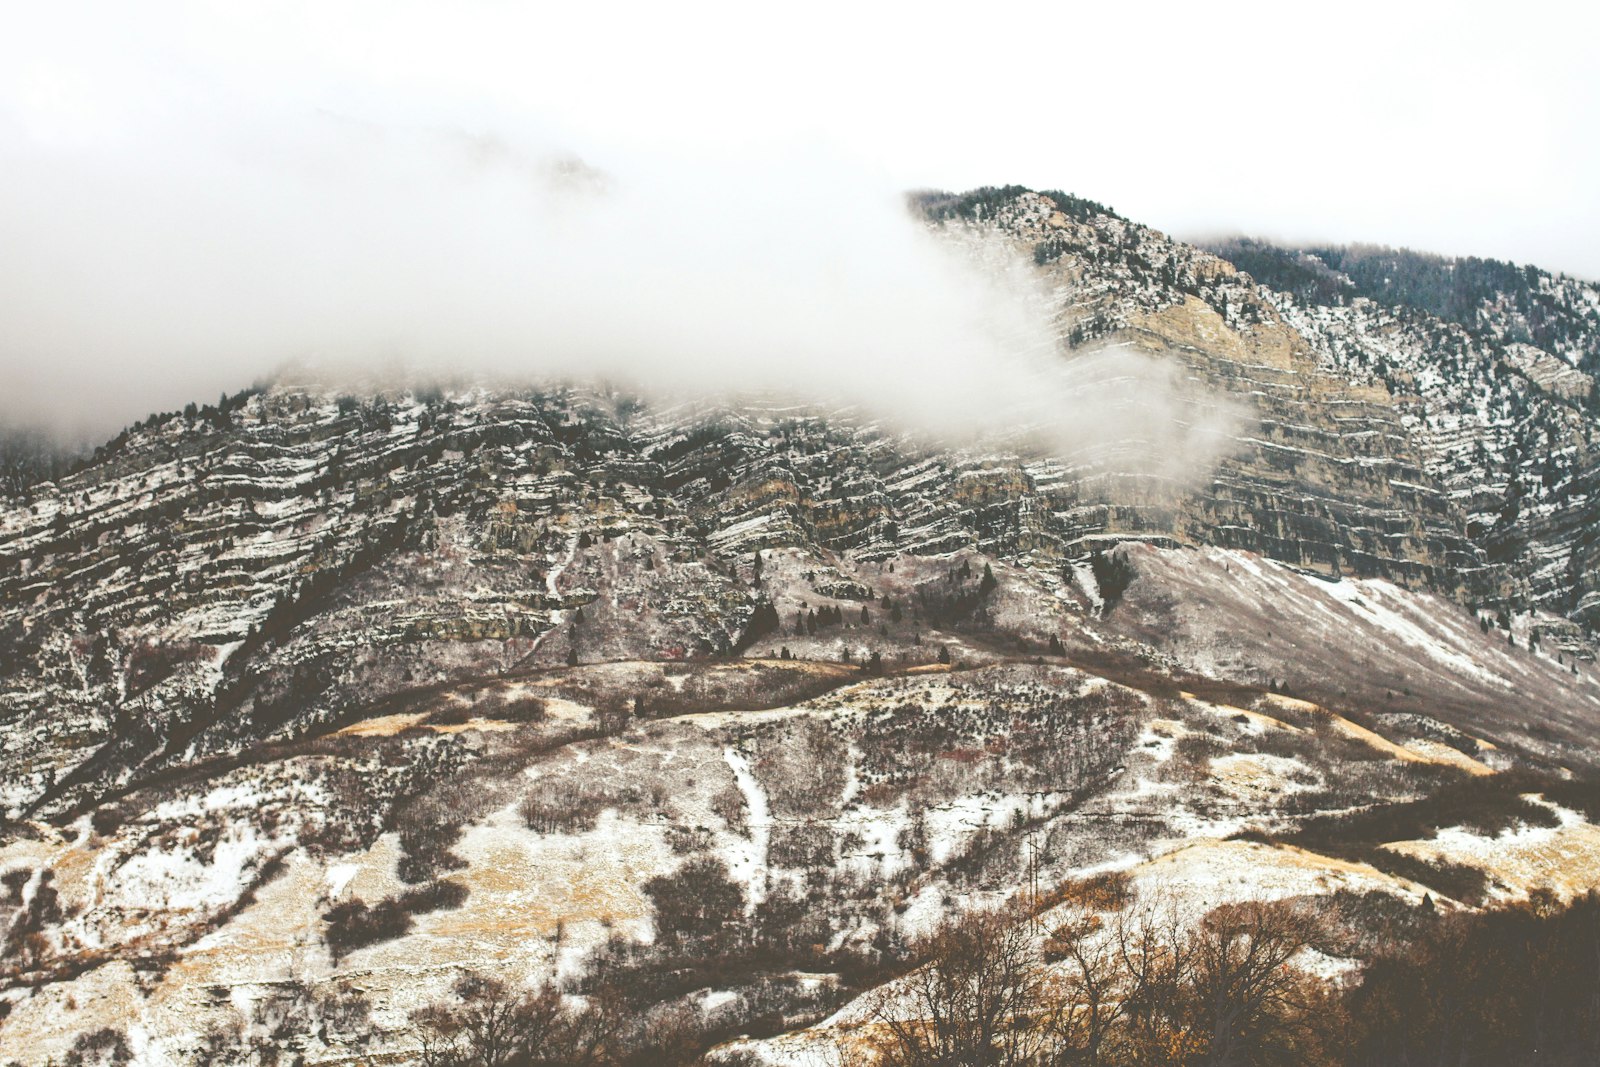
191, 193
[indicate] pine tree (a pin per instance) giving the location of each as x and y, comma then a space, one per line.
988, 584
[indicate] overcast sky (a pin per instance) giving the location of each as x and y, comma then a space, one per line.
146, 148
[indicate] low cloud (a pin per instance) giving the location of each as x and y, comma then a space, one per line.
138, 280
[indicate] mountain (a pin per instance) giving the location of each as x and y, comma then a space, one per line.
321, 699
1495, 365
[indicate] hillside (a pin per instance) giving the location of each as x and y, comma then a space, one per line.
317, 700
1495, 367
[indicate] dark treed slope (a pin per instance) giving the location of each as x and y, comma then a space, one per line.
1493, 365
31, 456
1500, 300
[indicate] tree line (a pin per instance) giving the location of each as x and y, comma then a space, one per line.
1137, 982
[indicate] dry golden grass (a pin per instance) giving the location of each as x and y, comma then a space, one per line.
1417, 752
1565, 859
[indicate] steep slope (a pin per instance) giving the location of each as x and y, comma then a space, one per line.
314, 701
1320, 472
1494, 366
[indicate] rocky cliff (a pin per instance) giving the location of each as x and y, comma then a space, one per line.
498, 664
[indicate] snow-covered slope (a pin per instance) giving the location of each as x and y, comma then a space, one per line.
313, 702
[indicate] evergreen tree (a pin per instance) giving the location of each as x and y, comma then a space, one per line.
763, 621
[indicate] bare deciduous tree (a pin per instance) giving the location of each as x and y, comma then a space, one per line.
492, 1025
969, 1003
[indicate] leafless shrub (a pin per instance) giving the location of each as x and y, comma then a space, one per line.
969, 1002
807, 844
352, 924
570, 806
688, 840
1143, 985
697, 902
803, 767
729, 804
151, 662
282, 1018
27, 941
429, 825
490, 1024
506, 706
1192, 755
101, 1048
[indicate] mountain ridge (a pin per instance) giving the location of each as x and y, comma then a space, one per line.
374, 690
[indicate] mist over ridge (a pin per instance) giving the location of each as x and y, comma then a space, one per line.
140, 283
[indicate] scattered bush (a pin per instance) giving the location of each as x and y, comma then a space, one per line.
151, 662
804, 845
729, 804
699, 901
101, 1048
352, 924
569, 806
490, 1024
107, 820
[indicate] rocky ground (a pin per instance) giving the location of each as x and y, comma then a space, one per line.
315, 700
